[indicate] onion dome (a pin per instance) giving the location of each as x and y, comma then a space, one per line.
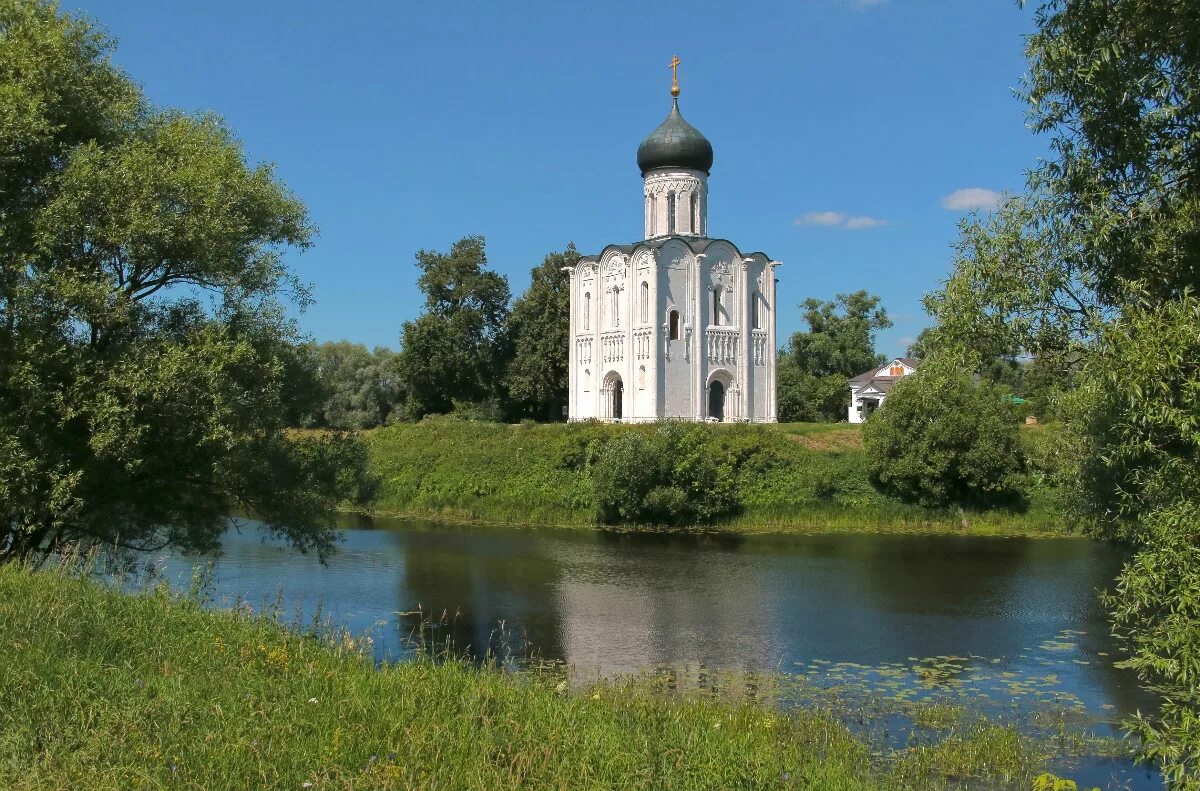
675, 144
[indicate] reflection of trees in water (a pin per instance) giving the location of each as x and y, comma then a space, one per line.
996, 598
619, 602
470, 582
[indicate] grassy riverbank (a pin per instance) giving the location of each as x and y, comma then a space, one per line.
104, 690
792, 478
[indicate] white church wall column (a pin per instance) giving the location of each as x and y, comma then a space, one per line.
771, 286
699, 321
632, 303
572, 353
745, 360
654, 364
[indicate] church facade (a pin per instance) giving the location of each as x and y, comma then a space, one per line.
678, 325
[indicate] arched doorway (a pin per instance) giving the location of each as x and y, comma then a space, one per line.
612, 397
716, 400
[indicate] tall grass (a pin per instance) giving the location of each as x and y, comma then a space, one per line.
100, 690
791, 478
105, 690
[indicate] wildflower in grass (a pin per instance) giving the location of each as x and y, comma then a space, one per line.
313, 700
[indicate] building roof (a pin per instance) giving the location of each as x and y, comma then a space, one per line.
697, 244
675, 143
882, 383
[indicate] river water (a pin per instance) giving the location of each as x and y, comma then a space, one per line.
1009, 623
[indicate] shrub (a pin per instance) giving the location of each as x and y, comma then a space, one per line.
672, 475
942, 440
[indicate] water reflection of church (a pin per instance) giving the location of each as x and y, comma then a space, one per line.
678, 325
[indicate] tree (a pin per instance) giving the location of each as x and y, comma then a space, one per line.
940, 440
359, 388
456, 350
801, 396
144, 354
667, 476
538, 329
1096, 268
840, 343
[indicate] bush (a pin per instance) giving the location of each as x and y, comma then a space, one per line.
668, 476
941, 440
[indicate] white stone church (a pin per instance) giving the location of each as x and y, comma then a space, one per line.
678, 325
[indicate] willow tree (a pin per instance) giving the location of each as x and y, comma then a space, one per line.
1098, 266
147, 372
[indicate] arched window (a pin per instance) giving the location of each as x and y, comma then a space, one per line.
673, 322
897, 370
587, 310
716, 307
645, 317
670, 213
653, 213
695, 213
757, 312
615, 311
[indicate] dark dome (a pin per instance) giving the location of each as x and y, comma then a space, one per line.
676, 144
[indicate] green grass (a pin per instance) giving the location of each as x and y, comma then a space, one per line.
794, 477
106, 690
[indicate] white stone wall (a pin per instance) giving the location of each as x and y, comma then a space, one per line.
687, 190
622, 339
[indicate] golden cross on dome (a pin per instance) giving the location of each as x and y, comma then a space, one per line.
674, 75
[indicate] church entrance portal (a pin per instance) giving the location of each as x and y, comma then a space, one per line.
716, 400
618, 396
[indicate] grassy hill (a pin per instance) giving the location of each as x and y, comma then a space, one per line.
796, 477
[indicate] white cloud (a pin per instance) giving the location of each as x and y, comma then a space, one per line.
971, 199
858, 223
821, 218
833, 218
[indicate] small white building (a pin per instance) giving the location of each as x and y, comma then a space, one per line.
678, 325
868, 391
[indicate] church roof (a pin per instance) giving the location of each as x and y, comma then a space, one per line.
696, 244
675, 143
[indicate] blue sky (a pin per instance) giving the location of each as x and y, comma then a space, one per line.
841, 129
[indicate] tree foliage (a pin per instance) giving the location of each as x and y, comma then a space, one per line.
538, 330
840, 343
664, 477
1138, 410
1095, 268
456, 350
144, 356
941, 440
358, 388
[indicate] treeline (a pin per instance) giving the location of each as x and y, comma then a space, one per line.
470, 352
815, 367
